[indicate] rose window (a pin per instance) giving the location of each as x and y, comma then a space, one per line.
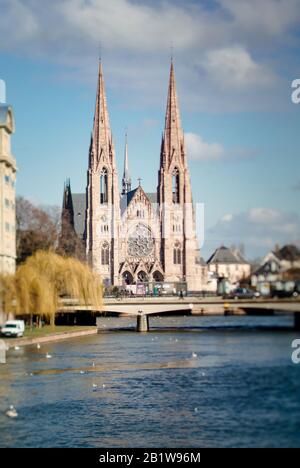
140, 242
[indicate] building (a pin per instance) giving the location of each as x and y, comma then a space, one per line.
224, 263
7, 190
281, 264
131, 236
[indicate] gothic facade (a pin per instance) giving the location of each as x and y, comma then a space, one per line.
131, 236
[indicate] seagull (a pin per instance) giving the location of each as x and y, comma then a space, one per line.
93, 364
48, 356
196, 410
38, 346
194, 355
17, 348
103, 385
12, 412
95, 385
82, 372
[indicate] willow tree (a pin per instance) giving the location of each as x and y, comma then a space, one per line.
44, 278
8, 301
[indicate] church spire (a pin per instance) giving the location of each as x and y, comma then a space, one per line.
173, 134
101, 142
126, 181
67, 208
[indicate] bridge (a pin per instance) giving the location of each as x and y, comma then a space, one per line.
142, 308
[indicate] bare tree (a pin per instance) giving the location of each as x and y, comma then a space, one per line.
35, 230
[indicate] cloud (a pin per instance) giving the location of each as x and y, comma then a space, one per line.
233, 67
200, 150
219, 50
135, 26
259, 229
267, 17
19, 17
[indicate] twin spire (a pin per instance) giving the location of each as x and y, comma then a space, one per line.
101, 141
101, 147
172, 145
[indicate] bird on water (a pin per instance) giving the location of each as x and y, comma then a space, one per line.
12, 412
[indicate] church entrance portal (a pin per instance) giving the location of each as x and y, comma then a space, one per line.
127, 278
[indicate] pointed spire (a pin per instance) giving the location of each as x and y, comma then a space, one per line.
101, 136
126, 181
173, 134
126, 169
67, 208
162, 152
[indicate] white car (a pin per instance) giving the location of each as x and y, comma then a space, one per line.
13, 328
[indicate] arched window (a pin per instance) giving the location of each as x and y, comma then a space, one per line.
158, 277
142, 277
177, 254
175, 185
127, 277
103, 187
105, 254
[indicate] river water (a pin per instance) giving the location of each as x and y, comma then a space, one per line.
189, 382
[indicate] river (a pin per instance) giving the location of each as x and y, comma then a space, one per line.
189, 382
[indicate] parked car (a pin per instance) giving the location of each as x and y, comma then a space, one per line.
242, 293
282, 293
13, 328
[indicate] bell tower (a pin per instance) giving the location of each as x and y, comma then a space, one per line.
103, 202
179, 243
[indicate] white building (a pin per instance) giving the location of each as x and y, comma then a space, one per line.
7, 189
224, 263
273, 266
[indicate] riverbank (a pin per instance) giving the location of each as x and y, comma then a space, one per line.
48, 334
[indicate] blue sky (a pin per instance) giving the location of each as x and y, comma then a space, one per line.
234, 64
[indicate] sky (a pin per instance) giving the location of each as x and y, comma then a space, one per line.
235, 61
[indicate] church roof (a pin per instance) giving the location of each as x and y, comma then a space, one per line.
152, 196
126, 199
130, 195
79, 207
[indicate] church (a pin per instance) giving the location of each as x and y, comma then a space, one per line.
132, 237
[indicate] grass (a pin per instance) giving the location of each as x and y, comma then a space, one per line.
49, 330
